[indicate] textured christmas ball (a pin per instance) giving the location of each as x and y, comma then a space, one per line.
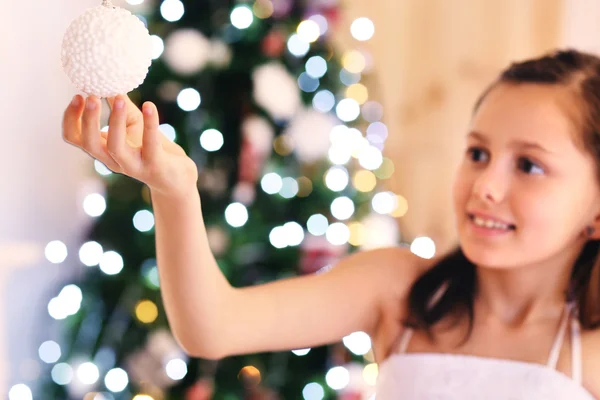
106, 51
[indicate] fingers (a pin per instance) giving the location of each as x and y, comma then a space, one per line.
71, 124
132, 110
151, 140
125, 155
83, 130
90, 126
81, 127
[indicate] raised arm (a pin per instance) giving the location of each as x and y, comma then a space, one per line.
209, 317
212, 319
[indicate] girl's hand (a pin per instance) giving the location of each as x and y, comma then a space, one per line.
133, 145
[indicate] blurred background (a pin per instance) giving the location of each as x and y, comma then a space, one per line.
320, 127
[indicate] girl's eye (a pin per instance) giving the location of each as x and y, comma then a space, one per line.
477, 154
529, 167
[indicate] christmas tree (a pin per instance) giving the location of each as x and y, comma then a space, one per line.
289, 153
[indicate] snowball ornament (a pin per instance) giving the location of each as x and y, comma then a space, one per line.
106, 51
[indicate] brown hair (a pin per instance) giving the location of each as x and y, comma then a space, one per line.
449, 287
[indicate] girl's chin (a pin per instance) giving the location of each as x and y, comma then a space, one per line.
485, 257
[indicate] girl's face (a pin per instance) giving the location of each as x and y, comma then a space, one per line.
524, 191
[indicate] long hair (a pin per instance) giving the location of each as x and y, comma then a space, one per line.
449, 287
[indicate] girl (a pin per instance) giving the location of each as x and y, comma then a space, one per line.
513, 313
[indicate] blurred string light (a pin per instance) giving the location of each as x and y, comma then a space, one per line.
358, 343
241, 17
94, 204
377, 132
337, 233
263, 8
362, 29
342, 208
90, 253
88, 373
386, 170
357, 233
309, 31
62, 374
289, 188
307, 83
321, 22
146, 311
143, 19
20, 392
354, 62
372, 111
370, 157
401, 207
271, 183
423, 247
68, 302
297, 46
316, 67
56, 252
211, 140
98, 396
317, 224
358, 92
189, 99
172, 10
348, 78
111, 263
336, 178
116, 380
169, 131
313, 391
364, 181
101, 168
149, 271
290, 234
384, 202
176, 369
305, 186
143, 221
323, 101
347, 110
337, 378
158, 46
301, 352
370, 373
49, 352
236, 214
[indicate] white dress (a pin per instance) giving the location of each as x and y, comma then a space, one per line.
437, 376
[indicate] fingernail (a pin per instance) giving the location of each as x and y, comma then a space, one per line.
75, 101
119, 103
147, 109
90, 104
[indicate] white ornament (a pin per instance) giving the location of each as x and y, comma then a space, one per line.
106, 51
187, 51
276, 90
310, 132
260, 133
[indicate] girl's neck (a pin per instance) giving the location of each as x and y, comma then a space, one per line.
523, 295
